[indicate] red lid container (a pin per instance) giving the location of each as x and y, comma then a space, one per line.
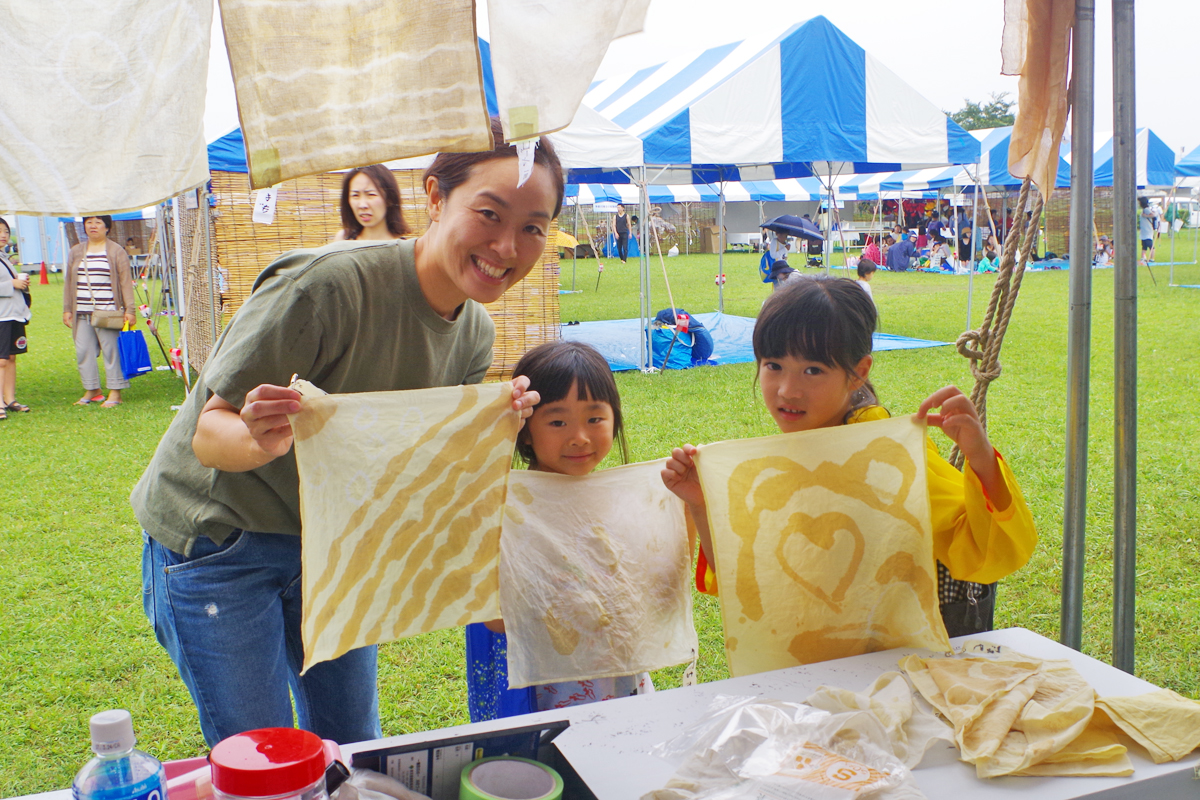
267, 762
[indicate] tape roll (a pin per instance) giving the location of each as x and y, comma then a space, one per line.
509, 778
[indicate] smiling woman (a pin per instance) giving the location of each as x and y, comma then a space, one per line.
220, 499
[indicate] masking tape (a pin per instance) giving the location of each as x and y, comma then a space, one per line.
509, 778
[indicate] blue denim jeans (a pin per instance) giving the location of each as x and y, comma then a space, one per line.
229, 616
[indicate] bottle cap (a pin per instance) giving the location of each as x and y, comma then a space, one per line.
112, 732
266, 762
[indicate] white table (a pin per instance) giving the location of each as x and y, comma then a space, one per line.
608, 743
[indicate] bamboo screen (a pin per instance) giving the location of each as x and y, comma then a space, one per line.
306, 215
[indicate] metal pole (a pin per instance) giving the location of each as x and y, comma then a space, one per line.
575, 249
644, 264
1125, 330
1079, 333
180, 309
827, 245
687, 229
974, 244
721, 247
203, 216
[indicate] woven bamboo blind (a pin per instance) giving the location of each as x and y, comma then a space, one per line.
306, 215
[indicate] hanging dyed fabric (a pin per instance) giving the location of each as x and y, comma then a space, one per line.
328, 84
103, 104
531, 43
823, 544
594, 575
401, 495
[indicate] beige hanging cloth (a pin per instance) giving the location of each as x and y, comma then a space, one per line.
329, 84
1036, 45
401, 495
102, 107
594, 575
545, 54
823, 544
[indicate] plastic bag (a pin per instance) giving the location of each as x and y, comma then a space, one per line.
774, 750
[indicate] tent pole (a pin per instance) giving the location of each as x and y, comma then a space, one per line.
575, 249
1125, 334
212, 289
1079, 332
974, 244
721, 246
644, 264
1171, 279
827, 246
180, 311
687, 229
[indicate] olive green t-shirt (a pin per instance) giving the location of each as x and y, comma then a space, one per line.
349, 317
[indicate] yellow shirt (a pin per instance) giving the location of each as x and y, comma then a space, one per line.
975, 540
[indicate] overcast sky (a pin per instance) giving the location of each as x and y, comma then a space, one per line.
948, 50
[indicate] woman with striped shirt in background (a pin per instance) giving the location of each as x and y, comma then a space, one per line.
98, 279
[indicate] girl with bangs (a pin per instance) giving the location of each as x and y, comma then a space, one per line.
572, 428
812, 343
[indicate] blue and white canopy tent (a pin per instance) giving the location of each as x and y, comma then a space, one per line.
1155, 162
807, 102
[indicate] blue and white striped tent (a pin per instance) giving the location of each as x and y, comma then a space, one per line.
993, 160
786, 102
1155, 162
1189, 165
781, 190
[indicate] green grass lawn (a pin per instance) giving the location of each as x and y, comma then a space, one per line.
73, 639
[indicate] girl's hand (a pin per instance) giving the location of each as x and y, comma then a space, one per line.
68, 318
680, 476
523, 399
958, 420
265, 417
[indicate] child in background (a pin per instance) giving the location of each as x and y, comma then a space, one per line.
989, 263
812, 342
866, 270
571, 431
939, 254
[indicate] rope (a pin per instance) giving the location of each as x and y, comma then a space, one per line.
982, 345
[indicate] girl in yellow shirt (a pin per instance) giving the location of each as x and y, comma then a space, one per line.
812, 342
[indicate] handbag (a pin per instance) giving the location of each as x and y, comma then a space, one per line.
109, 319
135, 356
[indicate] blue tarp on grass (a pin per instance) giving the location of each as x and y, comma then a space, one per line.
617, 339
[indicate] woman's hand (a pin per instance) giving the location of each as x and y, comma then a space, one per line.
679, 475
68, 318
265, 417
239, 440
523, 399
21, 282
130, 319
960, 421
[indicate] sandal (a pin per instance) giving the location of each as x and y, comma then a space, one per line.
19, 407
110, 404
87, 401
3, 415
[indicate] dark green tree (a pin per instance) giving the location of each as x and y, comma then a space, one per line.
993, 114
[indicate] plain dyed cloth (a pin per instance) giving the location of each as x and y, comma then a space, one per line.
533, 40
1016, 715
329, 84
1036, 45
401, 495
103, 105
823, 543
594, 576
349, 317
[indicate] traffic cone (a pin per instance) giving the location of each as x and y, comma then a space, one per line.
45, 279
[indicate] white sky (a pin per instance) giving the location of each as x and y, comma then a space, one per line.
948, 51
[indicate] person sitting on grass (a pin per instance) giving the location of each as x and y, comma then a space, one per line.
866, 270
812, 342
939, 254
900, 254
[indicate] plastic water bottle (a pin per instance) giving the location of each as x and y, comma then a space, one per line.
118, 772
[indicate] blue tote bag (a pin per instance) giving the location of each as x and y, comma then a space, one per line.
135, 356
